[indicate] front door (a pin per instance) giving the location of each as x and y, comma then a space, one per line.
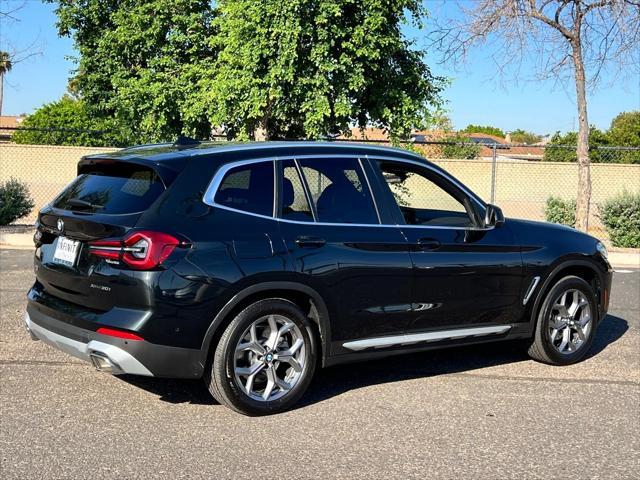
331, 228
465, 275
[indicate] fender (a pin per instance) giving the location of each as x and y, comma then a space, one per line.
551, 275
323, 313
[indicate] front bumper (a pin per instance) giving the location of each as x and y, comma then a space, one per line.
114, 355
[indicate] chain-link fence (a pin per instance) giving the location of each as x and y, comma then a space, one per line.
521, 179
518, 178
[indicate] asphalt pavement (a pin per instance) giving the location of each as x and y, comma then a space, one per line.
484, 412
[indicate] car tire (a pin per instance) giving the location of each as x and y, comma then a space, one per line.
255, 373
566, 323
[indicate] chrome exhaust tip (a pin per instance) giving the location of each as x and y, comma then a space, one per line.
103, 363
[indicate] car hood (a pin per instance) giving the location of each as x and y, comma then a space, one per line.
530, 232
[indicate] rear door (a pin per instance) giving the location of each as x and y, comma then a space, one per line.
331, 229
464, 275
104, 201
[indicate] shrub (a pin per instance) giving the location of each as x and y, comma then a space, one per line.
557, 210
621, 218
15, 201
522, 136
457, 147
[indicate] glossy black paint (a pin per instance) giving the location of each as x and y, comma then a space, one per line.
355, 281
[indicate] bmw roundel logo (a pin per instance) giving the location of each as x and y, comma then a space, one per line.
60, 224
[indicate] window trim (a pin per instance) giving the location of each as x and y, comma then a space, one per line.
305, 189
312, 203
474, 218
212, 189
214, 183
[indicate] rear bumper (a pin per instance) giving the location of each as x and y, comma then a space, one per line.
114, 355
114, 360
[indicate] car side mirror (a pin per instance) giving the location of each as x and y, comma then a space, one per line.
493, 216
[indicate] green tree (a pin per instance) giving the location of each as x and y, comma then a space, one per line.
141, 61
5, 67
625, 130
522, 136
68, 122
489, 130
561, 148
309, 69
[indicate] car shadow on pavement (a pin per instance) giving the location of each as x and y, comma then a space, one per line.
609, 331
173, 390
337, 380
334, 381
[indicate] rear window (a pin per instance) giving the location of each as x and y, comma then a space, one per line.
117, 190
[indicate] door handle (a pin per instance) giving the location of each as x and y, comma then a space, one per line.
310, 242
428, 244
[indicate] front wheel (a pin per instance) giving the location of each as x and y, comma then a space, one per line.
566, 323
264, 360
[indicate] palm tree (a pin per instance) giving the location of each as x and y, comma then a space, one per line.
5, 67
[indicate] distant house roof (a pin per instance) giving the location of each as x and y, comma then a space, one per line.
8, 124
484, 140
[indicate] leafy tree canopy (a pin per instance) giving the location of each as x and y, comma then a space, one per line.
68, 122
625, 130
295, 69
140, 61
484, 129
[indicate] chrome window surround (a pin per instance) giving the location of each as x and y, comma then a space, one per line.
214, 184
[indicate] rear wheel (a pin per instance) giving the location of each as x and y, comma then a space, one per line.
566, 323
264, 360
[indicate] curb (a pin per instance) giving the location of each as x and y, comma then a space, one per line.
16, 241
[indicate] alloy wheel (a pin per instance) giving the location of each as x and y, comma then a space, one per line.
269, 358
570, 321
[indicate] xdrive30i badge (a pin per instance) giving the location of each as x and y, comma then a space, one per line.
104, 288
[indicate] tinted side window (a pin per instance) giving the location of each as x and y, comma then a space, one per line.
423, 199
293, 201
340, 191
248, 188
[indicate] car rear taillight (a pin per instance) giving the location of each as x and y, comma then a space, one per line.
112, 332
141, 250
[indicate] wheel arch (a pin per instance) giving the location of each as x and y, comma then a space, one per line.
308, 299
584, 269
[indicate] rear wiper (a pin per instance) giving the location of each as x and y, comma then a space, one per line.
78, 202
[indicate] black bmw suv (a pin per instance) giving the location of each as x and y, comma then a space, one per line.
252, 264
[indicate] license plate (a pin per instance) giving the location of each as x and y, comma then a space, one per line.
66, 251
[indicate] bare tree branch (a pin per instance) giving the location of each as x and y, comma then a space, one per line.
565, 40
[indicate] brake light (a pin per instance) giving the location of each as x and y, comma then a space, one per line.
141, 250
112, 332
106, 248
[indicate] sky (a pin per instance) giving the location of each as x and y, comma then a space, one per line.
474, 96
